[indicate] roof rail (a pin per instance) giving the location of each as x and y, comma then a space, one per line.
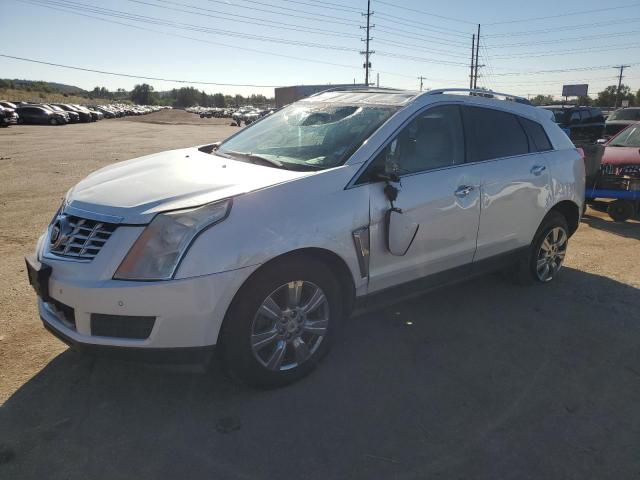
481, 93
350, 88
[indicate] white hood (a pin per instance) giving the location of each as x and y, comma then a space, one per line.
135, 190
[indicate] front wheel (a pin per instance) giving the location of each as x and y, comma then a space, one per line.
546, 253
281, 323
53, 121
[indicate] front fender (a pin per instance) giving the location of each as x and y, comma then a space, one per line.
312, 212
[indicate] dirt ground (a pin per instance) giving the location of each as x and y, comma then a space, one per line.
483, 380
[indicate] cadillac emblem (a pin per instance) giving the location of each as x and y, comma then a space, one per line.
60, 232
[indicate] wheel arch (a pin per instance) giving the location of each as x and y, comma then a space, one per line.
570, 211
335, 263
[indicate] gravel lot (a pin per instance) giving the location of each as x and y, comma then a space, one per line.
484, 380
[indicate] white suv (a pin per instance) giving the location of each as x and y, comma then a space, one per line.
262, 244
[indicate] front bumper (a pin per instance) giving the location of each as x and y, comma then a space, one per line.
187, 313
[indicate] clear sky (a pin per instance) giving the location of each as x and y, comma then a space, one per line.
288, 42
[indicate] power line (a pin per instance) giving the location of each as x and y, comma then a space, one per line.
423, 25
551, 53
592, 25
567, 39
209, 42
171, 34
142, 77
353, 9
422, 12
571, 14
245, 18
288, 9
337, 7
186, 26
416, 47
562, 70
422, 38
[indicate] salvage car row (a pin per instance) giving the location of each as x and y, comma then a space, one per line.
63, 113
247, 114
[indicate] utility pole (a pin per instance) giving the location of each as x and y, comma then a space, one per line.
621, 67
421, 78
475, 75
473, 52
367, 53
378, 79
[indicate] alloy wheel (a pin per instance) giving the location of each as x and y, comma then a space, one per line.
551, 254
290, 325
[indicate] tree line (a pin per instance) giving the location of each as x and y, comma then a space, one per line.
144, 94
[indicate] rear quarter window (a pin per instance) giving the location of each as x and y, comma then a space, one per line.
538, 139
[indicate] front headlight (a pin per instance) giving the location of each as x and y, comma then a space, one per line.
156, 253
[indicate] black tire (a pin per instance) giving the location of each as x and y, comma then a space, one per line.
20, 121
53, 121
621, 210
525, 272
235, 337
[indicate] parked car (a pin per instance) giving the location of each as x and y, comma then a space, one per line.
584, 125
10, 105
39, 115
8, 116
260, 245
72, 117
618, 181
94, 115
621, 119
85, 116
105, 111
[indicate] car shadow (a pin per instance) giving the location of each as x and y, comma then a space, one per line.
480, 380
628, 229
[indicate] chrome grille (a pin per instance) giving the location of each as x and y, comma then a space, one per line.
79, 237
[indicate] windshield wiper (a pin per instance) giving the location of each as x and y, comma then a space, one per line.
254, 158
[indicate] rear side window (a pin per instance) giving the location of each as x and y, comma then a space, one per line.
492, 134
596, 113
538, 140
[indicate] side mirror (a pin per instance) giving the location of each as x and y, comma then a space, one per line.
601, 141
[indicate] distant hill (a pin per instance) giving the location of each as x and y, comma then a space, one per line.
41, 85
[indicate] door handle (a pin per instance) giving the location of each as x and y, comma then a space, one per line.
463, 191
538, 169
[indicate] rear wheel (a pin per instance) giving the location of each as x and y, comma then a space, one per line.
621, 210
546, 253
281, 323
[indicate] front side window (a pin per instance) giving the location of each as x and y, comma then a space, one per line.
493, 134
434, 139
308, 135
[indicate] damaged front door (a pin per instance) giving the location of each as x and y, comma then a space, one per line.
425, 204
